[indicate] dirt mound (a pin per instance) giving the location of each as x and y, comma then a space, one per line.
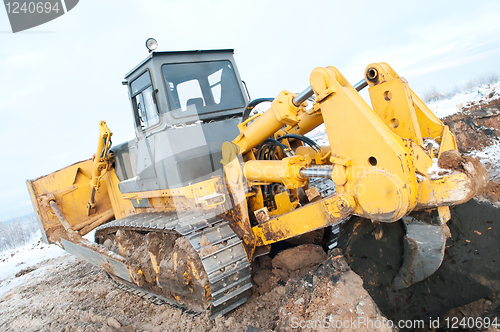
332, 297
300, 257
476, 126
269, 272
71, 295
470, 270
491, 191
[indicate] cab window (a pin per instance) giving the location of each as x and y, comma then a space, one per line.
201, 88
144, 102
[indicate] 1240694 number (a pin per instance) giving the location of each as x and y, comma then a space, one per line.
471, 322
31, 7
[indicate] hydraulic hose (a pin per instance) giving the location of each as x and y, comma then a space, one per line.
251, 105
285, 148
304, 139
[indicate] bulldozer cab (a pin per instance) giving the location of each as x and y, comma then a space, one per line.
185, 106
172, 88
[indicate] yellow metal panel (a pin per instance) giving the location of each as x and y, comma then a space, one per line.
283, 204
393, 103
121, 207
282, 112
421, 160
430, 125
447, 141
453, 189
71, 189
238, 212
197, 191
286, 171
379, 160
313, 216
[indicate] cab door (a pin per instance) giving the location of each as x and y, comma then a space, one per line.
146, 118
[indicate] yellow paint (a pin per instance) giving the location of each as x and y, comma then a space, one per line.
71, 189
320, 214
282, 112
208, 293
286, 171
154, 263
376, 160
174, 260
393, 103
194, 270
101, 158
448, 141
283, 204
444, 214
197, 192
455, 188
377, 154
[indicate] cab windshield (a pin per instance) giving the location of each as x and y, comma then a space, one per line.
201, 88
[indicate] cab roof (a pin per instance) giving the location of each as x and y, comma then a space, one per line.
170, 53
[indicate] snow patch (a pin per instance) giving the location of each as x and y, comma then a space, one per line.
435, 172
490, 158
447, 107
14, 260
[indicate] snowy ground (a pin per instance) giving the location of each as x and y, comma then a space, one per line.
446, 107
27, 256
490, 157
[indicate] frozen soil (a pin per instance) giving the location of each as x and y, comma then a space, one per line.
70, 295
76, 296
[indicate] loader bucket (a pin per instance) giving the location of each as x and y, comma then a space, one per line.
70, 189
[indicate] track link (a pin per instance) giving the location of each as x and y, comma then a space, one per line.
227, 267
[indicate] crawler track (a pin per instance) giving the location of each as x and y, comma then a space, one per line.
221, 255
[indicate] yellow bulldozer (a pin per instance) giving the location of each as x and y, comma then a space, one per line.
208, 184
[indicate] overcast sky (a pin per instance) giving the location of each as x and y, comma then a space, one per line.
59, 79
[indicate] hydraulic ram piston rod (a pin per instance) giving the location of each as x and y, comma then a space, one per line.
308, 92
302, 97
317, 172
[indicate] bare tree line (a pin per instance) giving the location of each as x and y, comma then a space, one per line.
17, 231
434, 95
